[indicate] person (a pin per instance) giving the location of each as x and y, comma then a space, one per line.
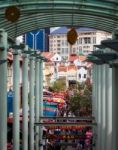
50, 145
79, 146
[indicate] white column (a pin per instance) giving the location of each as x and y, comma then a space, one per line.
16, 98
99, 109
41, 99
94, 101
108, 108
3, 90
25, 102
115, 108
103, 107
37, 104
95, 90
31, 104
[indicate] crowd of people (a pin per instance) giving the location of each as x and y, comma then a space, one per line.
57, 143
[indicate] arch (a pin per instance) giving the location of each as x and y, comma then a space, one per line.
99, 14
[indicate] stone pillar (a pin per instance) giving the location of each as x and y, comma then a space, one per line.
37, 104
25, 101
3, 89
94, 101
95, 90
16, 98
99, 89
115, 107
108, 108
31, 104
41, 99
103, 107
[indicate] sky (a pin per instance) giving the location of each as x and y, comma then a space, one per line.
52, 29
20, 39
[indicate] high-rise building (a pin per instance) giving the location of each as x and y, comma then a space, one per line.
38, 39
87, 37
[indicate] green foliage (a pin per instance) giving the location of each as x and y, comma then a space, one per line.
81, 102
59, 85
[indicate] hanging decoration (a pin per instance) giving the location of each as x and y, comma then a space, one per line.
72, 36
12, 13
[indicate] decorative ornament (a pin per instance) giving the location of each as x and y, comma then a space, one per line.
72, 36
12, 13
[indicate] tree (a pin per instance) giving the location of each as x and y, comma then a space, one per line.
59, 85
81, 101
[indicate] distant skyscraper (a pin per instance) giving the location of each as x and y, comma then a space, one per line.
38, 39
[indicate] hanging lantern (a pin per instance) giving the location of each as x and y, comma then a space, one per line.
12, 13
72, 36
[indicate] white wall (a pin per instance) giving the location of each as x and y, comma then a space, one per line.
81, 74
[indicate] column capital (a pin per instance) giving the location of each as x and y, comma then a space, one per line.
32, 58
16, 52
113, 63
25, 55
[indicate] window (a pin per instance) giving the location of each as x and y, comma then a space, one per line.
87, 40
84, 75
62, 43
66, 43
58, 41
79, 75
80, 49
74, 50
62, 50
58, 45
66, 50
86, 47
94, 40
80, 40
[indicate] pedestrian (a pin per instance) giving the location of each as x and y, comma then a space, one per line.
79, 146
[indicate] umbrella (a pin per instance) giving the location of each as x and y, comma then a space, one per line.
54, 100
58, 100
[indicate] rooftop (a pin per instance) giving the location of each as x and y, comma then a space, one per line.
64, 30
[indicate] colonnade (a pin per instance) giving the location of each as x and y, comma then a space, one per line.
105, 105
32, 99
105, 95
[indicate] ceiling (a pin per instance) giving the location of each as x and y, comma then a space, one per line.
35, 14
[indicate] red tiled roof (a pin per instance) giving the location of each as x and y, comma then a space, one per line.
49, 63
47, 55
72, 67
62, 68
82, 58
72, 57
